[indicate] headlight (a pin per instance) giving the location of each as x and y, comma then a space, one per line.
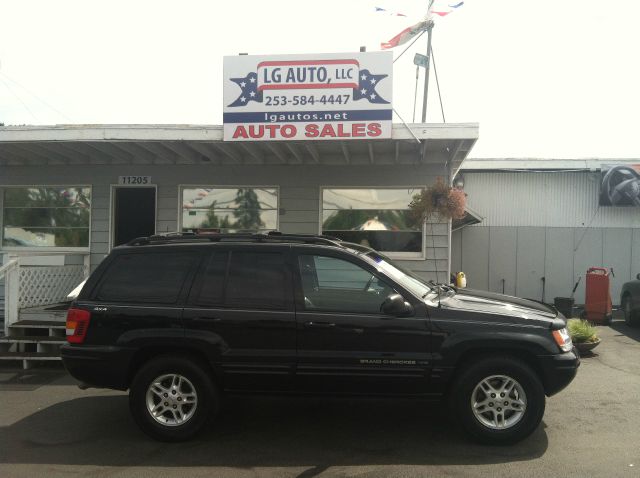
563, 339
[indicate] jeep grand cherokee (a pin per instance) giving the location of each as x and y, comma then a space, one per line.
179, 320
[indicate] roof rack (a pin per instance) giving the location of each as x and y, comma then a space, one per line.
272, 236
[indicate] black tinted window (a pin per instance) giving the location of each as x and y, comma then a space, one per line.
257, 280
212, 282
148, 278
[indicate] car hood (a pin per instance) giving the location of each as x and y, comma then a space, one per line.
490, 303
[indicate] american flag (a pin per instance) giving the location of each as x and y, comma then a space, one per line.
249, 87
367, 88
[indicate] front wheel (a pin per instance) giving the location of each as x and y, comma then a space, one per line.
171, 398
498, 400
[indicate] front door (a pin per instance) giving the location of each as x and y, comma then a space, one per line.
345, 344
134, 213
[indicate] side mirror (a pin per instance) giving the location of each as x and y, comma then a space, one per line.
396, 306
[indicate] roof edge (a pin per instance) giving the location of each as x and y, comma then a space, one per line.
192, 132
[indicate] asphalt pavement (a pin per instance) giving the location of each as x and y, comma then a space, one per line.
48, 427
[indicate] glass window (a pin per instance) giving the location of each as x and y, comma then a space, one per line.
46, 216
378, 218
146, 278
229, 209
212, 285
257, 280
336, 285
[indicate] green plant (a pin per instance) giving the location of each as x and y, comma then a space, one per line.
439, 200
582, 331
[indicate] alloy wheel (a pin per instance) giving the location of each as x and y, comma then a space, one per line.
171, 399
498, 402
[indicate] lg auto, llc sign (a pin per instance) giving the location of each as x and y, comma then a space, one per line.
315, 97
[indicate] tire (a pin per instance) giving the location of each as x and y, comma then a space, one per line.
630, 315
484, 424
181, 416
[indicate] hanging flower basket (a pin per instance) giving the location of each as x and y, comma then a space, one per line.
439, 201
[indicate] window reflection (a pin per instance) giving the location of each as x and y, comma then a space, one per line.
379, 218
47, 216
229, 209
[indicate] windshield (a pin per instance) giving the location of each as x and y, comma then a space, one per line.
405, 278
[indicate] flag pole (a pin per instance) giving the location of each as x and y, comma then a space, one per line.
427, 69
428, 62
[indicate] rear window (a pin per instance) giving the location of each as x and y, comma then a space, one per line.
146, 278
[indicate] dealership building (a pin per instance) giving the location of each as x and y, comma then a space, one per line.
71, 193
307, 146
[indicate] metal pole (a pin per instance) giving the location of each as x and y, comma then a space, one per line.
426, 73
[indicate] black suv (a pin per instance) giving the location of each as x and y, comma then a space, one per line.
178, 320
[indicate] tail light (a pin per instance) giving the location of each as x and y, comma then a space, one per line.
77, 325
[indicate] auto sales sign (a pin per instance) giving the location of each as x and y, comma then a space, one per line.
299, 97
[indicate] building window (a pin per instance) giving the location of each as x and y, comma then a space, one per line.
379, 218
247, 209
46, 216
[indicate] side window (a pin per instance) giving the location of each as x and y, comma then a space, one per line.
257, 280
336, 285
146, 278
212, 281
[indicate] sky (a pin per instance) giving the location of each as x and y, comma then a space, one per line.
552, 79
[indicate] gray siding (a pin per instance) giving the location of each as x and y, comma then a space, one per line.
2, 259
550, 199
560, 255
547, 225
299, 194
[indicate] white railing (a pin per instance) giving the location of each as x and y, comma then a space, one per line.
10, 273
27, 284
42, 285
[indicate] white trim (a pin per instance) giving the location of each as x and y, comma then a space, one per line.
174, 132
44, 249
112, 210
224, 186
401, 256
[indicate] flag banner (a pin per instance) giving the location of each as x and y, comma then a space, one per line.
388, 12
405, 35
443, 13
411, 32
298, 97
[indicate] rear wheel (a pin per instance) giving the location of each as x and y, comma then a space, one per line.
630, 315
171, 398
498, 400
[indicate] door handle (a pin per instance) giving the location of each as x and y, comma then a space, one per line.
320, 325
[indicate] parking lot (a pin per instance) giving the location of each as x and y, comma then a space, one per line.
51, 428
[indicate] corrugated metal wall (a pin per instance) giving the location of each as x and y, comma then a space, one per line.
544, 225
550, 199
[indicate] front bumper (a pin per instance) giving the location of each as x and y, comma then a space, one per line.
558, 370
98, 366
